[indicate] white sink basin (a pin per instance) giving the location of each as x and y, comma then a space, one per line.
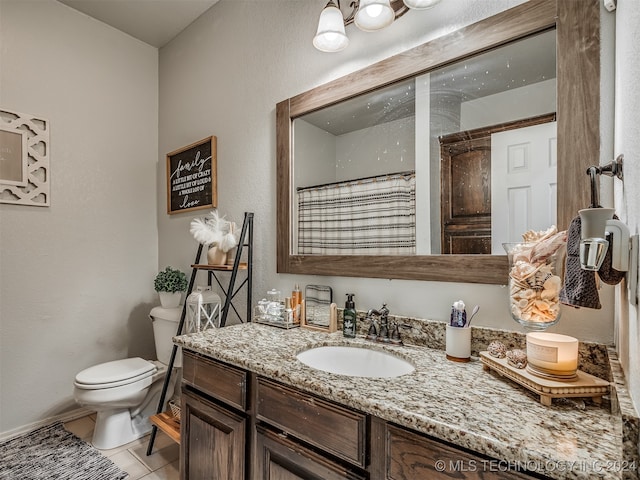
355, 362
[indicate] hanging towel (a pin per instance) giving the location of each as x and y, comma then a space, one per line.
607, 273
580, 289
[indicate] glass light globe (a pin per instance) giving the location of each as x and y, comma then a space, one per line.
374, 15
420, 4
330, 36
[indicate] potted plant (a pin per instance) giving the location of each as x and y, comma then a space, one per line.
218, 233
170, 283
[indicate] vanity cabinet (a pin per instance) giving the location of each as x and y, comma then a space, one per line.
213, 420
236, 426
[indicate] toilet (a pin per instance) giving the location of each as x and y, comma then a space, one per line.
124, 393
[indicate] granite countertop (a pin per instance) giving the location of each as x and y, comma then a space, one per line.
457, 402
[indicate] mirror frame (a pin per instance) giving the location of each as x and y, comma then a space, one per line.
578, 141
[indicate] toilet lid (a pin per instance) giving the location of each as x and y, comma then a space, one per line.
115, 373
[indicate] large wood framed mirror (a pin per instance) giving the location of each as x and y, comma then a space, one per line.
576, 31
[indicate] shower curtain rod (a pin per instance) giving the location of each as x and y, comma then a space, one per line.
371, 178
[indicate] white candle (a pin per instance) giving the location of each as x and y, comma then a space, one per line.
553, 351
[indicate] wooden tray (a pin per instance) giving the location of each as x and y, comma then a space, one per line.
585, 385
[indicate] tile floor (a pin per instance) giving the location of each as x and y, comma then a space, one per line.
162, 464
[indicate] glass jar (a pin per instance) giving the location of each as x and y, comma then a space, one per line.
534, 285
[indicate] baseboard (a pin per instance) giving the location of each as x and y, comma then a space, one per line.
63, 417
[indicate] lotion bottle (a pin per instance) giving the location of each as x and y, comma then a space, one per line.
296, 303
349, 317
288, 311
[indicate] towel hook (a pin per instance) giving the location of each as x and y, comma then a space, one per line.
611, 169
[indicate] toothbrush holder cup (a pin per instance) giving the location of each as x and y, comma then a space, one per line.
458, 343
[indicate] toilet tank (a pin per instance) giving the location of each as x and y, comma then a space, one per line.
165, 327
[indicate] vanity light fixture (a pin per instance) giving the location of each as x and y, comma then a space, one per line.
368, 16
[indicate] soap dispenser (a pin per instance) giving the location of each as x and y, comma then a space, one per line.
349, 317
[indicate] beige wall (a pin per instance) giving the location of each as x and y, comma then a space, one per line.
76, 277
224, 76
627, 142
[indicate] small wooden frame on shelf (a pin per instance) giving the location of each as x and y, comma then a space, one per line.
585, 385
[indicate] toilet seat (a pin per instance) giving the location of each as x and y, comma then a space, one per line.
114, 374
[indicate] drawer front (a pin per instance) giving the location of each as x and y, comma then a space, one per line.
277, 457
330, 427
223, 382
411, 456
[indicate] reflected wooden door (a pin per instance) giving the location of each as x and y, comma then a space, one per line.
466, 196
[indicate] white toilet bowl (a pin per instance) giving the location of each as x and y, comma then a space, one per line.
125, 393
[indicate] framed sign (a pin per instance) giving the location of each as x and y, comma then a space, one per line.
24, 159
191, 177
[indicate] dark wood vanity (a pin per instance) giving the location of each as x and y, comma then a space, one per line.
237, 425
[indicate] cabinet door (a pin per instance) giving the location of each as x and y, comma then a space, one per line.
276, 457
213, 441
411, 456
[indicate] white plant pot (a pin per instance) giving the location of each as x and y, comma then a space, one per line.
170, 300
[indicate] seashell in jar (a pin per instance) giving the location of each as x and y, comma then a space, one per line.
497, 349
551, 288
536, 236
548, 246
522, 270
537, 280
542, 305
522, 257
517, 358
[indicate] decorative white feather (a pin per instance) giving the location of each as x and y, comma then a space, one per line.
203, 233
229, 239
215, 230
214, 222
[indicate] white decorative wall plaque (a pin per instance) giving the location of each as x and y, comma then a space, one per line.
24, 159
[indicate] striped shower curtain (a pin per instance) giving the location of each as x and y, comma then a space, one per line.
373, 216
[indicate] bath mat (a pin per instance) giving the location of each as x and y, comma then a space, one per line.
50, 453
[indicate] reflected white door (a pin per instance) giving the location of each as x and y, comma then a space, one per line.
523, 183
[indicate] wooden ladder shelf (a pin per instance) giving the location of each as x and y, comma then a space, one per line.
165, 420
